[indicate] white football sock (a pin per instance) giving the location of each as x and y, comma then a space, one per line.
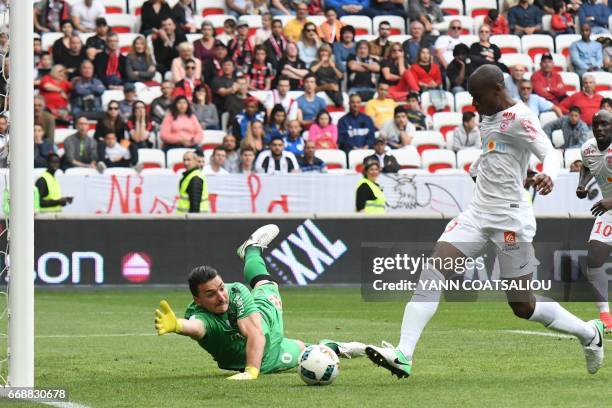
603, 307
599, 279
419, 311
552, 315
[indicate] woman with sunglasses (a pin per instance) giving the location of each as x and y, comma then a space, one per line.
139, 126
111, 123
179, 64
180, 127
396, 74
309, 43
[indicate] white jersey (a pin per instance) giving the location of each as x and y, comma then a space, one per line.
508, 139
599, 164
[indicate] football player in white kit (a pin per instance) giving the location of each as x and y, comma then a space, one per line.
500, 213
597, 162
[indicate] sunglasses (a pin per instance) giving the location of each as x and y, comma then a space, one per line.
190, 67
113, 108
455, 28
310, 30
484, 32
525, 88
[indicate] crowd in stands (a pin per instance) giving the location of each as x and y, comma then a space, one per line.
274, 86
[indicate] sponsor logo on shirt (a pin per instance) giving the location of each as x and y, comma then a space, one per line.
509, 237
493, 145
589, 151
529, 128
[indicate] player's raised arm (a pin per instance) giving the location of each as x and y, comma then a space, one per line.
583, 180
250, 327
539, 144
166, 322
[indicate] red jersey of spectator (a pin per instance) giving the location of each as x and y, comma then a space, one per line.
258, 73
548, 85
588, 104
186, 88
422, 76
55, 100
559, 22
499, 26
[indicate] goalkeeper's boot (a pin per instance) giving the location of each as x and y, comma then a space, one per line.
606, 319
260, 238
345, 349
594, 351
390, 358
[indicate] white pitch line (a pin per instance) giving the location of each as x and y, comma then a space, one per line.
545, 334
77, 336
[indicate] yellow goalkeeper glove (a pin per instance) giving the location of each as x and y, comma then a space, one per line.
165, 320
250, 373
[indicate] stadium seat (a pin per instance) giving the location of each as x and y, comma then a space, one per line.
335, 116
156, 172
333, 158
563, 42
452, 7
507, 43
120, 171
437, 159
122, 23
536, 164
463, 102
115, 6
398, 24
603, 80
193, 37
331, 107
466, 22
557, 138
217, 21
546, 22
478, 22
254, 22
126, 40
468, 39
211, 7
135, 6
465, 158
61, 135
355, 158
48, 39
407, 157
475, 8
445, 122
547, 117
559, 62
149, 93
151, 158
571, 155
174, 158
428, 139
513, 59
430, 109
207, 155
571, 80
362, 24
535, 44
81, 171
260, 95
213, 138
110, 95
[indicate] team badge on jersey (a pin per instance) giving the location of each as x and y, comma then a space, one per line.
509, 237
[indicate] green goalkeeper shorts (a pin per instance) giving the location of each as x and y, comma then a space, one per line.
282, 353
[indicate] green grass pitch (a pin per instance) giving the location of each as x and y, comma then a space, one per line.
100, 345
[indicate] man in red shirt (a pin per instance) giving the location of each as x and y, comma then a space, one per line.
588, 100
547, 83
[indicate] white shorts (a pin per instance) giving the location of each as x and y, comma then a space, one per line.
511, 233
602, 229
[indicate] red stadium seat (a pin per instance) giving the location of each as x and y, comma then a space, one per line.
407, 157
508, 44
437, 159
465, 158
333, 158
427, 139
445, 122
452, 7
475, 8
535, 44
355, 158
114, 6
212, 139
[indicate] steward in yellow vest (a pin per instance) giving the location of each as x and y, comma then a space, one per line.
369, 197
49, 191
193, 192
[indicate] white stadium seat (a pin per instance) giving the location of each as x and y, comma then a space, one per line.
174, 158
557, 138
547, 117
445, 122
355, 158
407, 157
111, 95
563, 42
559, 62
211, 7
535, 44
437, 159
260, 95
507, 43
452, 7
513, 59
115, 6
428, 139
149, 93
571, 155
546, 22
335, 116
475, 8
603, 80
398, 24
61, 134
126, 40
151, 158
362, 24
571, 80
333, 158
48, 39
135, 6
430, 109
122, 23
463, 102
465, 158
212, 139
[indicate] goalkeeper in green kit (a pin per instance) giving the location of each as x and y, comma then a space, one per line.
242, 329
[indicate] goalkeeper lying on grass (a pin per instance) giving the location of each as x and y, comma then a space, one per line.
241, 329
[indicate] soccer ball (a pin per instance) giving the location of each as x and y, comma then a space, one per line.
318, 365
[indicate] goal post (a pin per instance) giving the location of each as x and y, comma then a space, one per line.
21, 223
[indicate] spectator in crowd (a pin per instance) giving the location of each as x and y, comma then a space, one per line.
112, 122
250, 114
113, 154
381, 108
217, 160
355, 129
139, 65
43, 118
247, 159
56, 89
265, 31
327, 74
236, 102
292, 67
213, 67
240, 47
330, 29
345, 47
426, 72
80, 150
277, 123
152, 16
525, 18
396, 74
497, 22
445, 44
49, 191
379, 47
38, 51
160, 105
139, 126
535, 102
415, 113
369, 197
97, 43
254, 137
280, 96
547, 83
308, 162
351, 7
180, 127
42, 147
185, 57
294, 141
606, 44
276, 160
398, 132
427, 12
193, 192
48, 15
283, 7
204, 47
224, 85
323, 132
387, 162
512, 82
418, 39
86, 98
62, 45
387, 7
85, 13
129, 97
74, 57
276, 43
44, 67
466, 136
165, 43
260, 72
293, 28
587, 99
586, 55
362, 72
562, 22
309, 44
232, 154
483, 50
575, 131
110, 65
184, 15
606, 104
309, 104
595, 15
229, 31
460, 68
4, 140
204, 109
189, 83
